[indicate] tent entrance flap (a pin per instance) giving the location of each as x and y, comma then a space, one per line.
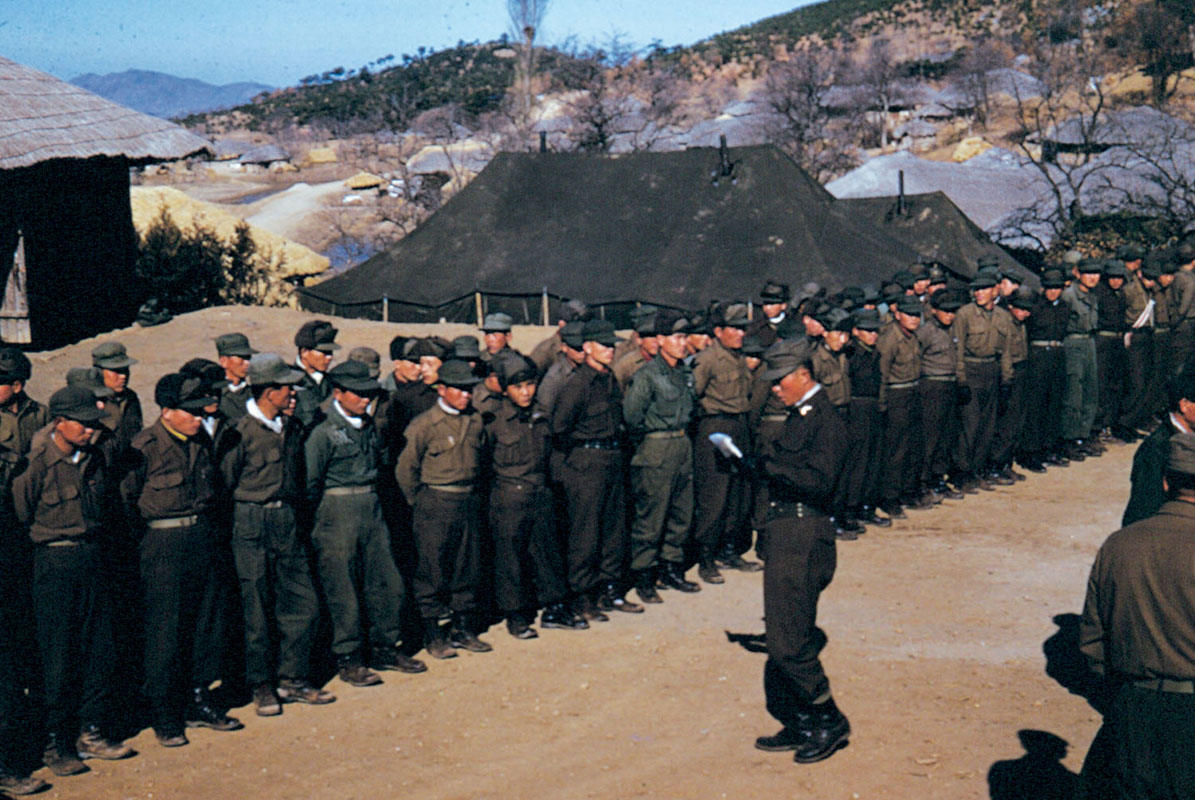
14, 313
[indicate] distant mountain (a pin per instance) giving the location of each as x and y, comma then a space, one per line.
165, 95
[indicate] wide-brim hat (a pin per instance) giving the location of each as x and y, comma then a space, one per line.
457, 374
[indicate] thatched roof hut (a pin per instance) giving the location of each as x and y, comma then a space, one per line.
67, 244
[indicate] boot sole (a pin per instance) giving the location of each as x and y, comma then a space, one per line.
776, 748
560, 626
225, 728
839, 743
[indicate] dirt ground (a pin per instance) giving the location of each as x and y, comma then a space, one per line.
936, 627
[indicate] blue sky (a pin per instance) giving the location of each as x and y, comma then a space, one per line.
221, 41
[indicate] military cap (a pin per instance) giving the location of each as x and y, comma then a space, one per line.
14, 365
752, 346
1168, 261
353, 376
416, 349
1053, 279
785, 357
1091, 265
268, 369
513, 368
643, 320
91, 379
909, 305
600, 331
1150, 269
919, 271
867, 319
396, 347
574, 310
871, 295
466, 348
987, 261
457, 374
183, 392
838, 320
1185, 252
946, 300
731, 315
1022, 299
1130, 252
993, 271
496, 322
982, 281
904, 279
1114, 268
1181, 457
1072, 257
1012, 275
111, 355
571, 334
234, 344
75, 402
936, 275
699, 322
811, 289
317, 334
774, 292
211, 373
853, 293
369, 357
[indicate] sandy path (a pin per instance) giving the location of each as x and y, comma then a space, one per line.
936, 633
286, 212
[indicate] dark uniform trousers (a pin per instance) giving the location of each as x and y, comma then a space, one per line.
723, 498
277, 593
17, 641
351, 539
528, 567
902, 443
1163, 359
766, 431
177, 579
662, 490
1082, 400
1150, 736
1140, 393
597, 537
74, 635
1047, 376
1182, 338
1011, 428
801, 562
979, 415
449, 545
939, 425
1111, 367
865, 434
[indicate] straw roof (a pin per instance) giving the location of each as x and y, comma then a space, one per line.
42, 118
364, 180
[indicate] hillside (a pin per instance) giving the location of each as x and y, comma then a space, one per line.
167, 96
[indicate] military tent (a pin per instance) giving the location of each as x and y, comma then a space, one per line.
675, 229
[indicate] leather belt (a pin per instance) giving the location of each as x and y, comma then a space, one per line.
271, 504
774, 418
1109, 334
173, 522
598, 444
342, 491
943, 378
779, 509
903, 385
450, 488
523, 483
1166, 685
1046, 343
665, 435
980, 359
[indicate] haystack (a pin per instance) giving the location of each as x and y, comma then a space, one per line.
286, 262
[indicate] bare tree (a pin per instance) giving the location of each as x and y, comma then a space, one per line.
1071, 109
800, 123
1161, 34
974, 87
880, 73
526, 16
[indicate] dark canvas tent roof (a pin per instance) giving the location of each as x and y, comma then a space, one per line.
42, 117
651, 227
935, 227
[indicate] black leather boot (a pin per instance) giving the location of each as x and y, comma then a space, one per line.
464, 636
435, 639
202, 714
828, 732
708, 569
645, 586
671, 576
